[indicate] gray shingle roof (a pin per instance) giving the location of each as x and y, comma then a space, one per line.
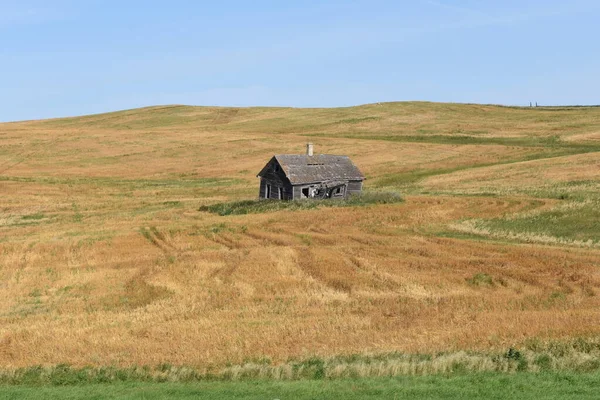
301, 168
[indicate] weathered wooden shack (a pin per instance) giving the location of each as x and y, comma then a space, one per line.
303, 176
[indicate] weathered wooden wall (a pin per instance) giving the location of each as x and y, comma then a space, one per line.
275, 185
354, 187
276, 180
297, 191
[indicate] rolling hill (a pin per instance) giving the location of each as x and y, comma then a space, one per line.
105, 258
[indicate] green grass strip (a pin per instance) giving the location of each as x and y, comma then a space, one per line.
490, 386
264, 206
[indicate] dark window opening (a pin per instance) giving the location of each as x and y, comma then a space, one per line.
276, 167
338, 190
280, 193
304, 193
268, 192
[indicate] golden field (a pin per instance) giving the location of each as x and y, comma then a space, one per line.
106, 260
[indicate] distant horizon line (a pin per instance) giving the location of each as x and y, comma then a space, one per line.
533, 105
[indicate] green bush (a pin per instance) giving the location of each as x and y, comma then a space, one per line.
264, 206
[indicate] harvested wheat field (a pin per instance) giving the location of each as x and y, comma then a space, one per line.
106, 259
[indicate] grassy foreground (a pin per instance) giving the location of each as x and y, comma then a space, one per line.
489, 386
582, 356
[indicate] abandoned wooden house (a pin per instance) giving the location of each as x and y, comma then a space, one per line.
303, 176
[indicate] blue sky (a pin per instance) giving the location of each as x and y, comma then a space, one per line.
66, 57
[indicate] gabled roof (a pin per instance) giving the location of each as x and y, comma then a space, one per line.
301, 168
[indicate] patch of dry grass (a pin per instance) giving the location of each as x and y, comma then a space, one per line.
567, 173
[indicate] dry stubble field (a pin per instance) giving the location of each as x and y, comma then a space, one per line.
106, 260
